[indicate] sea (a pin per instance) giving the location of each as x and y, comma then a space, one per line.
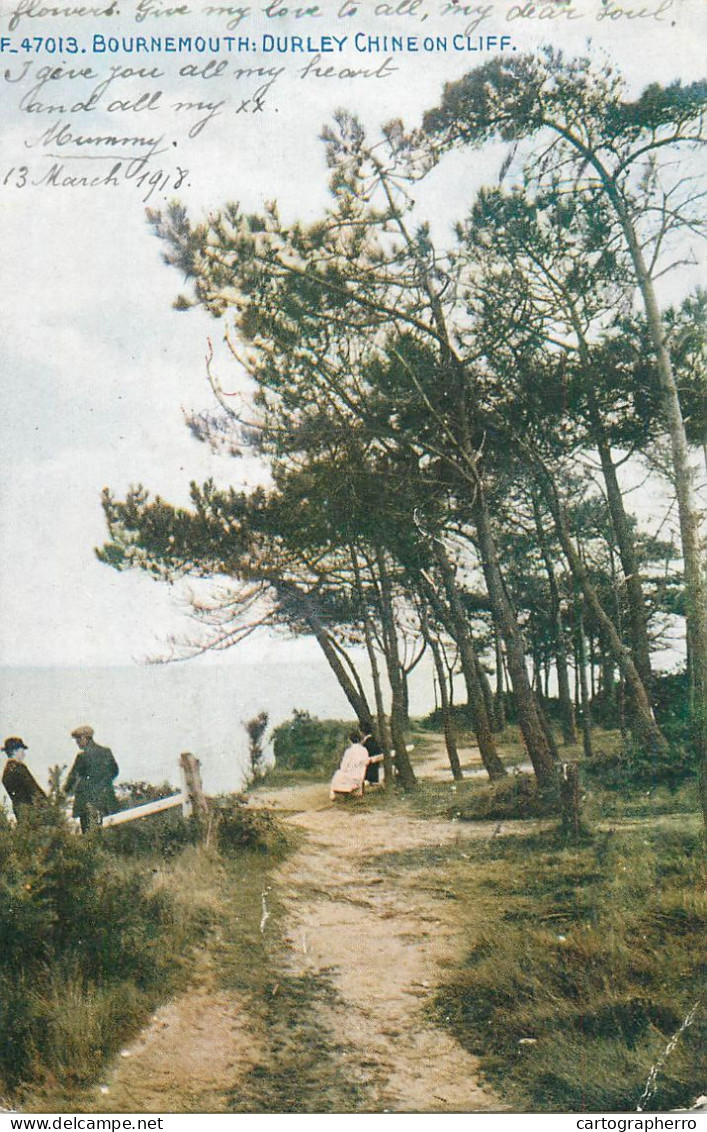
149, 714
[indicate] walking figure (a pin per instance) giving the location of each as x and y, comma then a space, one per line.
90, 780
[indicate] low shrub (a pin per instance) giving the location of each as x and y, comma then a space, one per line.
157, 835
671, 698
434, 721
87, 947
255, 730
515, 796
239, 827
310, 744
630, 765
135, 793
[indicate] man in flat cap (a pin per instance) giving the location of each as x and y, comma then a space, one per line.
90, 780
17, 779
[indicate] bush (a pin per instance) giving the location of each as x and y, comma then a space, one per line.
461, 715
516, 796
131, 794
255, 730
632, 765
238, 827
671, 699
86, 944
157, 835
58, 894
307, 743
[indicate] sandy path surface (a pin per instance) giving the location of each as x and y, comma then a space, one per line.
187, 1060
383, 939
380, 936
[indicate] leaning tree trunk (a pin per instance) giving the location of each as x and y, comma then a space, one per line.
348, 662
645, 727
356, 699
637, 626
569, 729
454, 618
534, 727
406, 775
499, 711
450, 736
382, 733
688, 509
635, 600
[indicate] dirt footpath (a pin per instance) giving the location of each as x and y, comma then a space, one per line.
382, 940
379, 936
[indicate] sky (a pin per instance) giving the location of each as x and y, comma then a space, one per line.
97, 370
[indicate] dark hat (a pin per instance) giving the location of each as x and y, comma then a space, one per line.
14, 743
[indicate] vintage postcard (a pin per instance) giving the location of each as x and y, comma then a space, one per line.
353, 639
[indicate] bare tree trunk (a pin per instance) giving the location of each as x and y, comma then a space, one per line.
635, 601
534, 727
322, 636
570, 803
688, 508
450, 737
536, 683
404, 697
455, 619
406, 669
584, 698
347, 661
382, 733
621, 707
569, 730
607, 684
485, 688
405, 773
499, 715
645, 727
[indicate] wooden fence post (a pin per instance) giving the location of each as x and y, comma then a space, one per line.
195, 805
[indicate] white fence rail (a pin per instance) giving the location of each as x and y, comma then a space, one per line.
146, 808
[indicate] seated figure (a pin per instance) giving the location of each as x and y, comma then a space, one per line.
350, 776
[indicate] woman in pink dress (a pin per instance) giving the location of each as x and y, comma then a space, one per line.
350, 776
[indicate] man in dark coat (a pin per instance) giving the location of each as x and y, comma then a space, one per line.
17, 779
90, 780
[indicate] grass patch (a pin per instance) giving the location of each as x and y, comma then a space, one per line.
595, 968
652, 802
279, 777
